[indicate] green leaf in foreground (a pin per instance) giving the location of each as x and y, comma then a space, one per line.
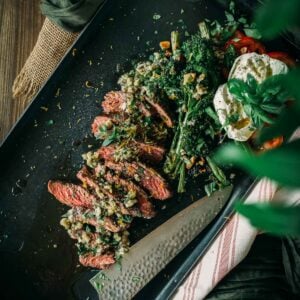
289, 120
281, 164
274, 16
291, 83
285, 125
276, 219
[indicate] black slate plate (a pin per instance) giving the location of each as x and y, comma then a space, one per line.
38, 259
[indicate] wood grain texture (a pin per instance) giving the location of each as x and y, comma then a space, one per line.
20, 23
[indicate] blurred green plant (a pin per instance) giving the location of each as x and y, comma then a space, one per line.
274, 16
282, 164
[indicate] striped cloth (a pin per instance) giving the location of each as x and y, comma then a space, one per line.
233, 243
228, 250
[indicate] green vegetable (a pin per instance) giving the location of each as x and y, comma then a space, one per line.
113, 137
229, 57
259, 100
175, 40
198, 125
204, 31
217, 171
210, 112
210, 188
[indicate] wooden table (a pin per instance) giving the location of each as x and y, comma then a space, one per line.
20, 23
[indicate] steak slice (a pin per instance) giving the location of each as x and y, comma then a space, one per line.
87, 178
114, 102
145, 206
145, 151
71, 194
100, 262
146, 111
107, 152
81, 215
111, 226
147, 177
151, 152
101, 122
87, 216
161, 111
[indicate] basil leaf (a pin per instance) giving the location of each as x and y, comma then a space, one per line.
248, 110
271, 84
272, 108
251, 98
251, 81
237, 88
111, 139
264, 116
277, 219
253, 32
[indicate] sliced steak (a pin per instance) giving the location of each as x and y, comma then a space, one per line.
161, 111
101, 122
147, 177
145, 206
107, 152
82, 236
87, 178
111, 226
71, 194
80, 215
114, 102
87, 216
150, 152
100, 262
146, 111
145, 151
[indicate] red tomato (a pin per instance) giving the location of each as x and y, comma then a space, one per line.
273, 143
246, 44
284, 57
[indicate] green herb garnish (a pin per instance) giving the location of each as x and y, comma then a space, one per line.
260, 101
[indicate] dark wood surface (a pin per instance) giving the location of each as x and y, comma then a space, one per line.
20, 23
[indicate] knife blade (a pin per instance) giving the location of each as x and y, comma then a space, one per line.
151, 254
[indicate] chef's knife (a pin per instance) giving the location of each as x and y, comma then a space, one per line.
150, 255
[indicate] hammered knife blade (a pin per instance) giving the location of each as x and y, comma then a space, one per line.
151, 254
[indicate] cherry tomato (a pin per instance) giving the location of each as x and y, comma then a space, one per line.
273, 143
246, 44
284, 57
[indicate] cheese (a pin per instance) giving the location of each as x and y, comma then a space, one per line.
260, 67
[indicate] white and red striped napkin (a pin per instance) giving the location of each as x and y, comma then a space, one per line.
228, 250
232, 244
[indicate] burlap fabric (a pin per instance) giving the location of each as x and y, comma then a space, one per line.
51, 46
